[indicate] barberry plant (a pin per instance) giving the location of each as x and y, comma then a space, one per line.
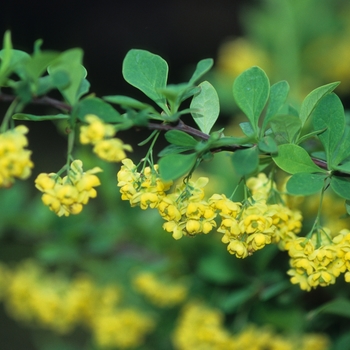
310, 143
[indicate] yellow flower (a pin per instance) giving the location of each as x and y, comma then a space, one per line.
67, 195
159, 292
111, 150
14, 159
96, 130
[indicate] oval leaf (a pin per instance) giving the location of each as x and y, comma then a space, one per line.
294, 159
329, 115
202, 67
312, 99
174, 166
180, 138
305, 184
98, 107
278, 96
341, 186
246, 161
251, 91
147, 72
207, 104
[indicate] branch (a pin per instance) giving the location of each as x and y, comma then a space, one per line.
48, 101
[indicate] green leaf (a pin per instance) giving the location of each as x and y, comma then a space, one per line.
173, 149
341, 186
347, 206
174, 166
313, 98
251, 91
207, 104
268, 145
343, 150
294, 159
245, 161
180, 138
305, 184
247, 129
94, 105
274, 290
329, 115
39, 118
127, 102
70, 62
339, 307
38, 64
344, 168
237, 298
278, 96
5, 56
286, 128
147, 72
309, 135
202, 67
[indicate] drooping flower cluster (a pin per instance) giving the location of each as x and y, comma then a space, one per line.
158, 292
144, 189
68, 195
185, 210
318, 261
14, 159
202, 327
59, 304
246, 227
101, 135
249, 226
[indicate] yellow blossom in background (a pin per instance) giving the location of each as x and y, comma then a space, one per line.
202, 327
237, 55
122, 329
53, 302
101, 135
158, 292
68, 195
14, 159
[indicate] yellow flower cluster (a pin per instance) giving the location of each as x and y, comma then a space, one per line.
14, 159
202, 327
250, 226
186, 211
144, 189
101, 135
158, 292
246, 228
58, 304
320, 260
67, 195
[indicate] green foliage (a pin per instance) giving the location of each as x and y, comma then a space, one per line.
329, 115
206, 107
147, 72
305, 184
278, 96
246, 161
313, 98
294, 159
251, 91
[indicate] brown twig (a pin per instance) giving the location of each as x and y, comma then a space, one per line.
180, 125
